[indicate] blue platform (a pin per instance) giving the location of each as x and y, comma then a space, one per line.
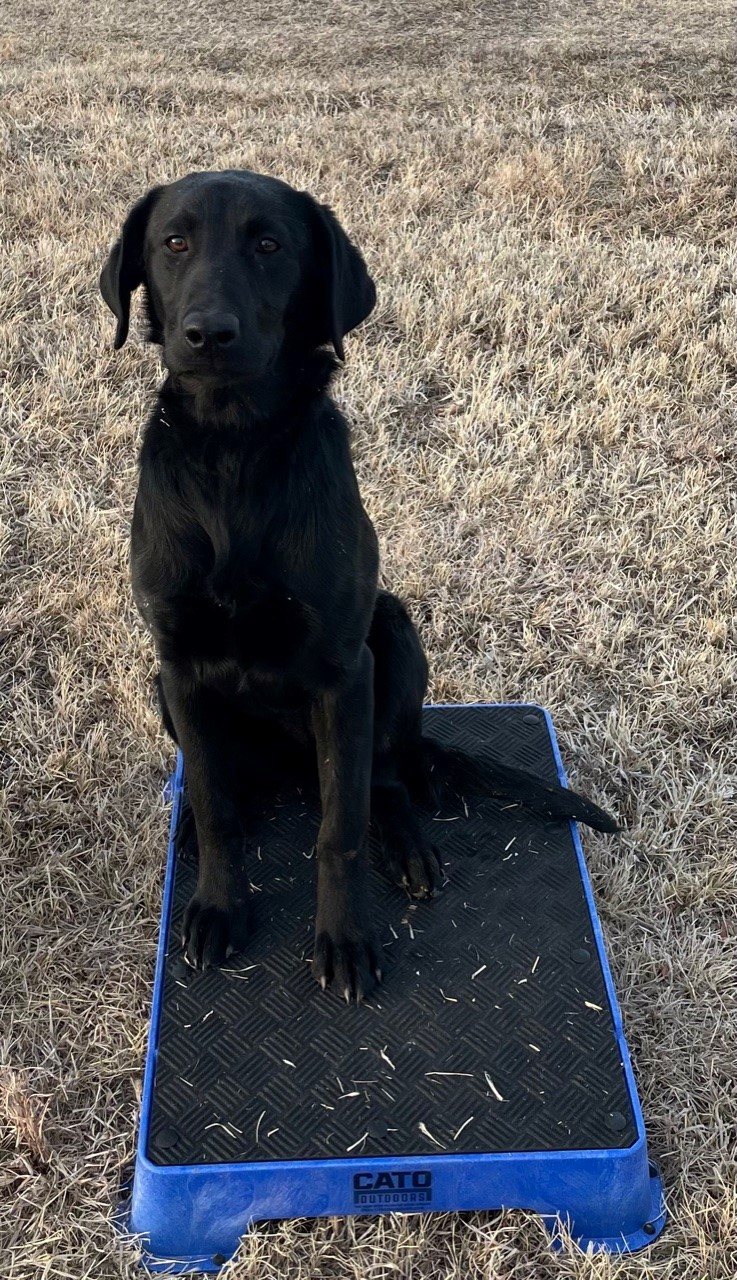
189, 1216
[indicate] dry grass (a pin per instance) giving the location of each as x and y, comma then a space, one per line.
542, 407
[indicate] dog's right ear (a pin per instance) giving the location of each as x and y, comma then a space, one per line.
125, 270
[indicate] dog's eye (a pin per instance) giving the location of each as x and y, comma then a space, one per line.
267, 245
177, 244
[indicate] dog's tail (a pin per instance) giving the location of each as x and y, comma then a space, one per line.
438, 769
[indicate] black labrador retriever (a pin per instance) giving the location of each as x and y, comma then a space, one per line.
255, 565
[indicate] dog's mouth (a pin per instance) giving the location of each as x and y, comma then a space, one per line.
216, 366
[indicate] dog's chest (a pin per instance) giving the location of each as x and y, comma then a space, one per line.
254, 619
248, 575
241, 615
238, 603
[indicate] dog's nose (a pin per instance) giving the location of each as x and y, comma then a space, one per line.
213, 329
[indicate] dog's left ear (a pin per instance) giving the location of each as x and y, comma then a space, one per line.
348, 292
124, 270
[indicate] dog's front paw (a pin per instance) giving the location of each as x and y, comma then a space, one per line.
347, 951
212, 931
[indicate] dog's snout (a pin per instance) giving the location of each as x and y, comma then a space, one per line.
212, 329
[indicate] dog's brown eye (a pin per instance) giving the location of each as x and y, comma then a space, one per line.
177, 244
267, 245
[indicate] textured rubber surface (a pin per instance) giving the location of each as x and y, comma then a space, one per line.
492, 1030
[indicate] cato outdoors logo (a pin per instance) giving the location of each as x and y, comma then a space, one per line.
393, 1189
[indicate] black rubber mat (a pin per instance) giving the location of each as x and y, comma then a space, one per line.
491, 1032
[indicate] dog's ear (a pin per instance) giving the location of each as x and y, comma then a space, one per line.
125, 270
347, 290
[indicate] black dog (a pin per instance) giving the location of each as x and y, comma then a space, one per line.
255, 565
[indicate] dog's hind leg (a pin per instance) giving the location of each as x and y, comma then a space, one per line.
410, 859
185, 836
430, 771
400, 681
167, 721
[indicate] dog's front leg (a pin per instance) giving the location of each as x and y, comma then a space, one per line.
215, 920
346, 950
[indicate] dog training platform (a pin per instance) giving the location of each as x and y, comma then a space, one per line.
489, 1070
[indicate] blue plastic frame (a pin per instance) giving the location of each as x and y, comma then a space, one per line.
191, 1217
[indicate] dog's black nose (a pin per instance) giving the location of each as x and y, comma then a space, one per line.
213, 329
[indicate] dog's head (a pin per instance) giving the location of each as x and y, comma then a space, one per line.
238, 269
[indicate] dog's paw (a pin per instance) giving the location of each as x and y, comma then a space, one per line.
417, 868
212, 932
352, 965
347, 953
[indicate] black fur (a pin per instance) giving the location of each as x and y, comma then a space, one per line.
255, 565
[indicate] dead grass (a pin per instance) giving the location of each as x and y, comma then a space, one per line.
543, 420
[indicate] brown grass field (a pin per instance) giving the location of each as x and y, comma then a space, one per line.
543, 424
